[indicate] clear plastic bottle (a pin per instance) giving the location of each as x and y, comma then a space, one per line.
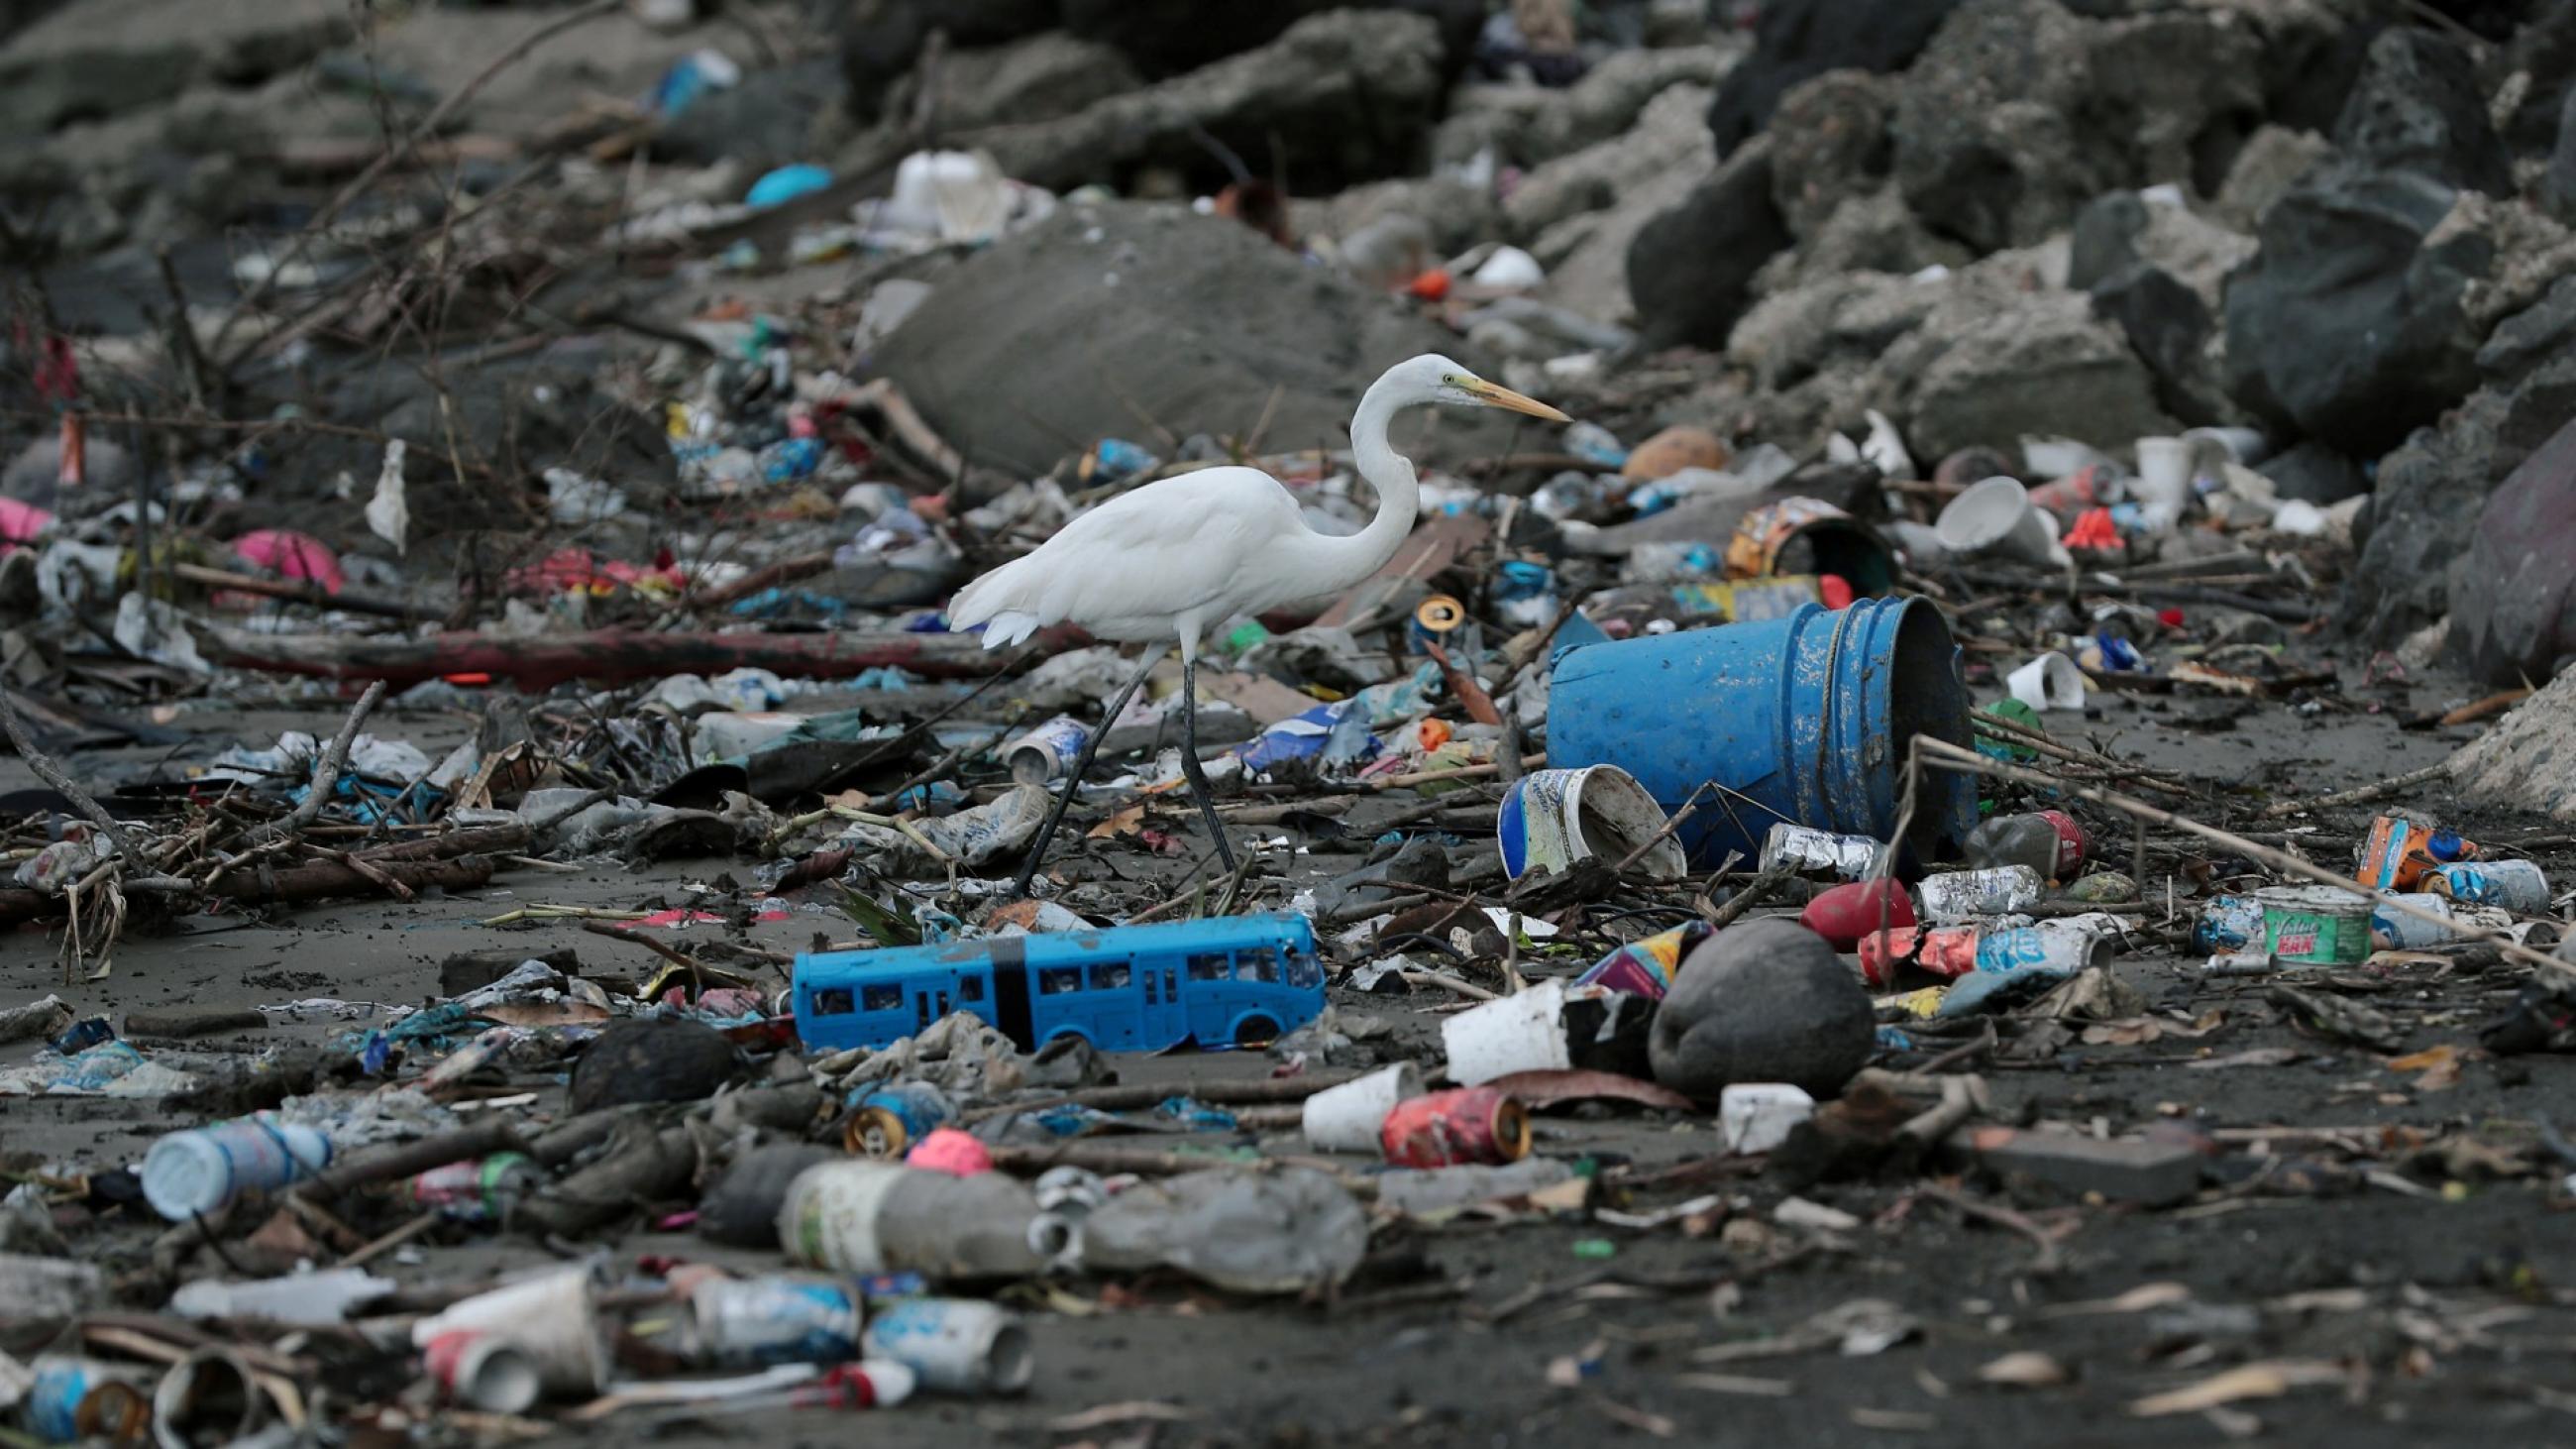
2048, 841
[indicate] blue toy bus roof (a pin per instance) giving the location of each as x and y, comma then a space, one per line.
1056, 948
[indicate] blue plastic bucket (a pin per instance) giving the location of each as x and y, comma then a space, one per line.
1804, 719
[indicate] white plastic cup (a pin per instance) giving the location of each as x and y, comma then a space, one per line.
2163, 485
1347, 1118
1994, 516
200, 1170
2049, 682
953, 1345
1758, 1116
1523, 1032
553, 1318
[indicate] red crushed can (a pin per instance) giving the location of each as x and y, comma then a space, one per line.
1883, 953
1451, 1129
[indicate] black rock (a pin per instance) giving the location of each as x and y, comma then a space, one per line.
1167, 37
1764, 1001
2348, 323
2418, 107
741, 1210
880, 39
2167, 326
2539, 333
2558, 183
1690, 270
652, 1059
2105, 241
2315, 473
1796, 39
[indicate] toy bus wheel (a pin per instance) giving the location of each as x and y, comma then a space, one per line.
1256, 1031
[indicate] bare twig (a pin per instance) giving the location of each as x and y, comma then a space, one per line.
2359, 794
326, 775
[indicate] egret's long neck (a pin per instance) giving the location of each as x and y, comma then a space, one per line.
1346, 561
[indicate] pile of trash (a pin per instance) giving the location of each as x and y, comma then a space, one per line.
1969, 710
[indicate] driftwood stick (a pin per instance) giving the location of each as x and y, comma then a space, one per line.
326, 775
53, 774
2359, 794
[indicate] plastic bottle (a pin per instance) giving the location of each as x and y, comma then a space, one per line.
477, 1190
2048, 841
198, 1171
879, 1217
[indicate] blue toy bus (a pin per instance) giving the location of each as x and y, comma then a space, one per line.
1231, 981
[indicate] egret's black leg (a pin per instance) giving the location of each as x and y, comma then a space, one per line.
1190, 762
1082, 767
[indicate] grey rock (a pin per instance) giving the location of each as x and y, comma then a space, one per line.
1830, 139
2527, 762
2269, 163
1796, 39
102, 58
1086, 324
2173, 95
1168, 37
762, 124
1871, 232
1762, 1001
1987, 145
2538, 333
2544, 50
2418, 107
2349, 323
2168, 326
1690, 270
2314, 473
1346, 96
2039, 363
880, 39
1528, 124
1037, 78
2513, 607
1667, 135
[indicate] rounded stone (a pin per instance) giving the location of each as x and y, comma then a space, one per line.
1765, 1001
652, 1059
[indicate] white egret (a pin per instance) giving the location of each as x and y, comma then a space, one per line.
1173, 559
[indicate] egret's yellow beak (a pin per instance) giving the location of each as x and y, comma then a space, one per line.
1489, 395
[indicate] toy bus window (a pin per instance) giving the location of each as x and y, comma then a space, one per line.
1258, 964
1057, 980
1303, 970
1110, 976
1213, 967
832, 1001
888, 997
970, 988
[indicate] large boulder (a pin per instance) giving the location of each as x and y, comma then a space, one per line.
1796, 39
102, 58
1035, 78
2314, 473
1645, 173
1344, 96
2271, 161
1690, 270
2558, 183
1125, 319
2513, 613
1526, 124
2429, 495
1986, 141
2350, 323
2035, 363
2174, 95
2533, 336
1829, 137
2418, 107
2527, 762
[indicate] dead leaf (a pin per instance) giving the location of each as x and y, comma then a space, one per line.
2250, 1057
1125, 822
2440, 1066
2028, 1369
2253, 1381
2137, 1300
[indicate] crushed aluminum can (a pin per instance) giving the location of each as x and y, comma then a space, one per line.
1809, 851
1960, 950
2517, 885
1966, 894
885, 1122
954, 1345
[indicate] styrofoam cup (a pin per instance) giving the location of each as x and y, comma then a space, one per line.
2163, 484
1758, 1116
2049, 682
1995, 516
1523, 1032
1346, 1118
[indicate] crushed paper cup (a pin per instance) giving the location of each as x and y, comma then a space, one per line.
2049, 682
